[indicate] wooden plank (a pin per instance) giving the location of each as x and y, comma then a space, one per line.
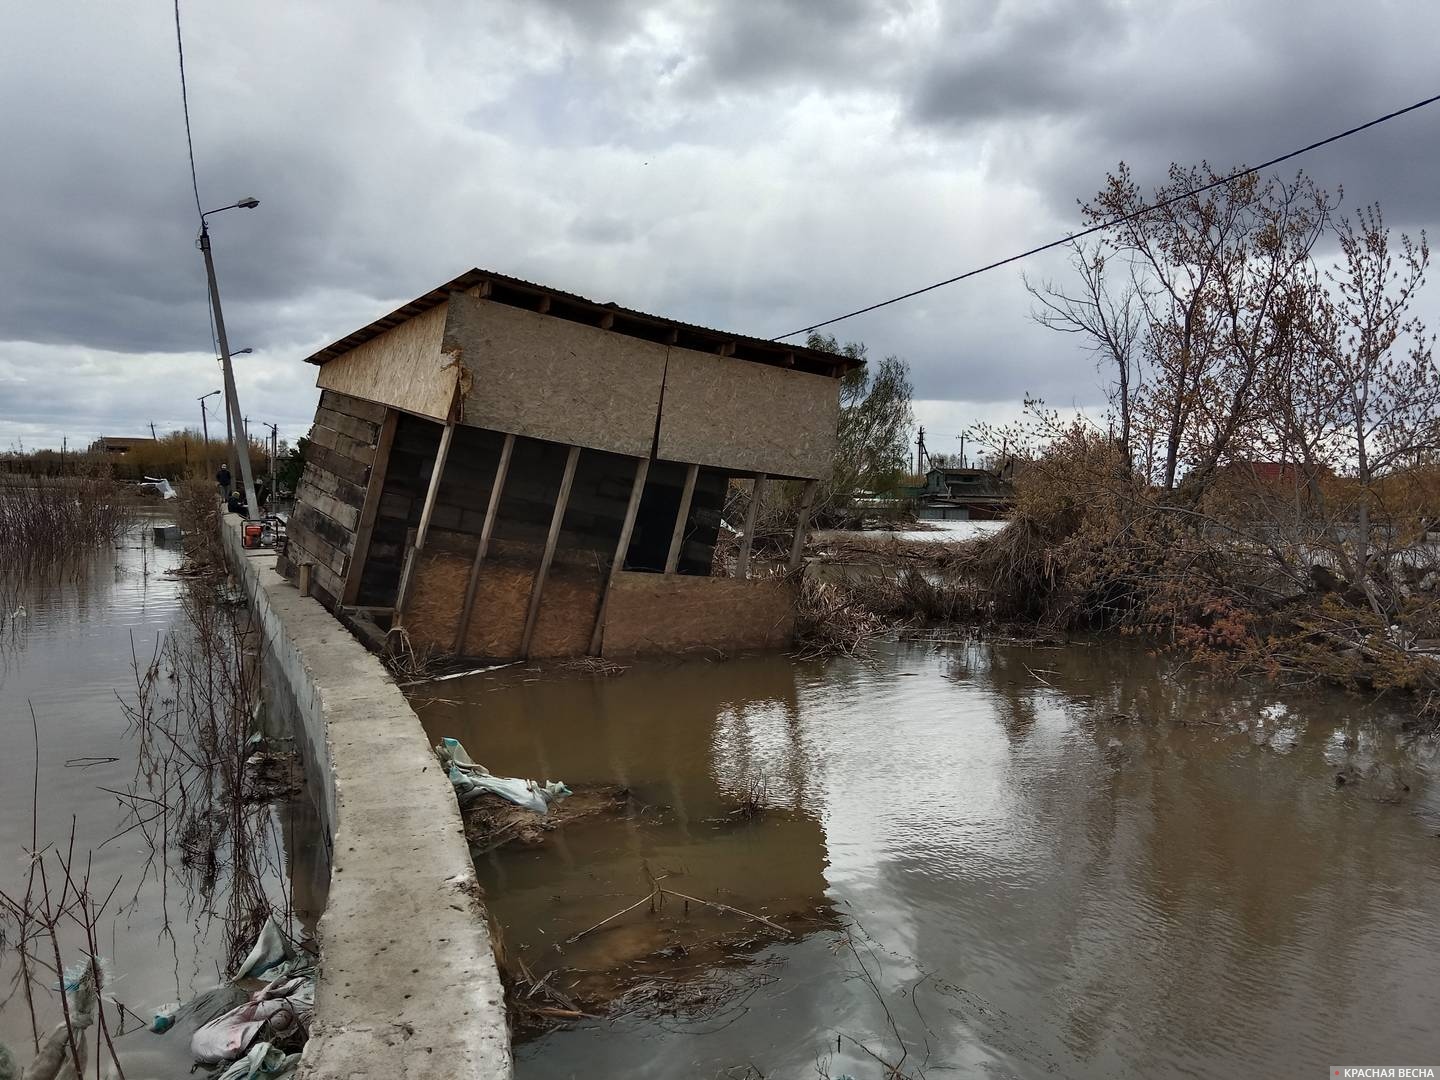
355, 449
362, 431
373, 411
327, 483
426, 513
316, 549
617, 564
356, 472
487, 530
682, 516
802, 523
742, 562
537, 589
365, 527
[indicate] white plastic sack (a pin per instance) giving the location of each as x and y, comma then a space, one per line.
284, 1001
263, 1060
470, 779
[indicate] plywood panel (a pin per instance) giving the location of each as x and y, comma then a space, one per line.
550, 378
655, 613
746, 417
403, 367
567, 609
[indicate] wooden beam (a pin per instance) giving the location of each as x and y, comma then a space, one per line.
544, 306
802, 523
677, 538
622, 546
407, 576
380, 464
726, 349
537, 587
607, 320
492, 511
742, 563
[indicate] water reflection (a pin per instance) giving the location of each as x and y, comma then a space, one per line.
1069, 861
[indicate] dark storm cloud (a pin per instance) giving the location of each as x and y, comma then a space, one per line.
750, 166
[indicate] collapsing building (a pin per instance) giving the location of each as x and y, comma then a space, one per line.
506, 470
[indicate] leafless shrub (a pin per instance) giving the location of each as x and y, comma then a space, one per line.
47, 520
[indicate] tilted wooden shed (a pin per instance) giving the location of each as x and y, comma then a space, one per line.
508, 470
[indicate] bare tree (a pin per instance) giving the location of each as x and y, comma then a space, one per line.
1107, 315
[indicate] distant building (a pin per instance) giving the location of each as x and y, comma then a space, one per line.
118, 444
952, 494
508, 470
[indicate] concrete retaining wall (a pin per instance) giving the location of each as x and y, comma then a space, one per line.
408, 985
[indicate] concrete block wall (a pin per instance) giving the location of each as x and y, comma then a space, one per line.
408, 985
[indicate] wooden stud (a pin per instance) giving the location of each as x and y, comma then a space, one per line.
544, 306
726, 349
802, 523
304, 578
742, 562
368, 512
622, 546
682, 516
537, 587
407, 575
607, 320
485, 289
487, 530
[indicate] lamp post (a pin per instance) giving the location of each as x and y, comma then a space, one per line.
232, 402
229, 429
205, 426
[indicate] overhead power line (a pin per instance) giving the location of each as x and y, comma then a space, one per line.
185, 101
1112, 222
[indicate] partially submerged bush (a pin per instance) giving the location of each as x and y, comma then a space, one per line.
52, 519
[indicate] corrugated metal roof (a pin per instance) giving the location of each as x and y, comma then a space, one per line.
566, 305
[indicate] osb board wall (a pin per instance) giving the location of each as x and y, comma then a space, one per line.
656, 613
554, 379
402, 367
734, 414
568, 605
331, 494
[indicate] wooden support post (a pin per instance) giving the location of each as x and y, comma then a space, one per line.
742, 563
537, 587
380, 464
492, 511
407, 575
304, 578
802, 523
677, 538
627, 530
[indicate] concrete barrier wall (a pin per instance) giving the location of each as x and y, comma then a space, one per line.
408, 985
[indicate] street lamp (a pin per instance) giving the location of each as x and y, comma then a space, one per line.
232, 403
205, 426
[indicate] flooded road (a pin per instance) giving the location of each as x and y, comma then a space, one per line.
68, 654
1068, 861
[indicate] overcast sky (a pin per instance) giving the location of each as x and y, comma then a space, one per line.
752, 166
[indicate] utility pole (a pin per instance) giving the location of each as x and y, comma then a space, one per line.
205, 428
232, 402
962, 449
920, 452
274, 452
153, 436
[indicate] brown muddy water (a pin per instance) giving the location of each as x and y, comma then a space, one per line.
1072, 861
69, 657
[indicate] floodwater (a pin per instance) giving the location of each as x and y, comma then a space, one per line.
69, 657
1072, 861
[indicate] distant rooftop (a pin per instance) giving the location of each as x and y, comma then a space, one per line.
502, 289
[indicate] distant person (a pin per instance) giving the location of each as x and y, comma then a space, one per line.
223, 479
